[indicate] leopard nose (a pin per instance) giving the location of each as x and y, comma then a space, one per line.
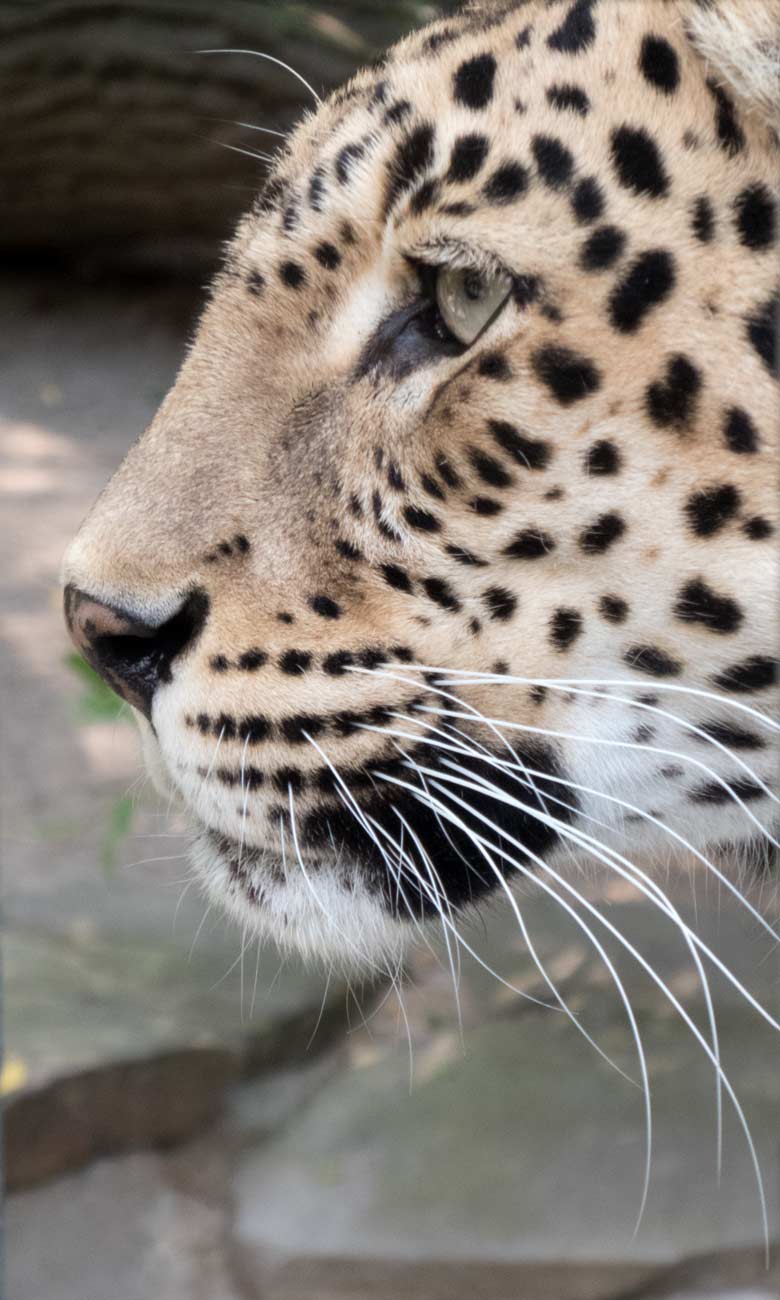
134, 657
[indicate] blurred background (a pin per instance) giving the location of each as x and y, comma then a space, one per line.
184, 1120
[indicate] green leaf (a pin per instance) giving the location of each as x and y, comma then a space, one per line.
96, 701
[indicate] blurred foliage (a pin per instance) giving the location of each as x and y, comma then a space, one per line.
97, 703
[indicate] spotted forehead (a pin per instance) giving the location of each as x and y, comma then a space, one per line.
595, 102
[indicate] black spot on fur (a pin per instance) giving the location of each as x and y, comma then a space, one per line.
325, 607
733, 736
490, 470
429, 485
602, 248
255, 283
659, 64
253, 730
554, 161
437, 40
525, 290
446, 472
602, 458
727, 127
336, 664
328, 256
440, 592
468, 157
756, 217
397, 112
762, 331
507, 183
289, 779
219, 663
638, 164
531, 544
500, 603
421, 520
394, 477
569, 98
649, 659
424, 197
317, 189
602, 534
396, 577
754, 674
345, 158
588, 201
614, 609
647, 283
698, 603
532, 453
711, 509
485, 506
568, 376
348, 550
565, 627
703, 219
757, 529
713, 792
467, 558
296, 729
473, 82
494, 366
292, 274
671, 402
577, 31
251, 660
413, 156
293, 662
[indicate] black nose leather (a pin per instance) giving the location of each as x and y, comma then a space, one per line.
132, 656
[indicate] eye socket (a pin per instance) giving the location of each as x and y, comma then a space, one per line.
468, 300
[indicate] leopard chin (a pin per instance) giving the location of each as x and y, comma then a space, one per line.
320, 909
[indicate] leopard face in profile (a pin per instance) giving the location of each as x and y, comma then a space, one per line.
452, 550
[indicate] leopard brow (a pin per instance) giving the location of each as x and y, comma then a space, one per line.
459, 254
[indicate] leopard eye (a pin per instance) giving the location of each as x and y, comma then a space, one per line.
468, 300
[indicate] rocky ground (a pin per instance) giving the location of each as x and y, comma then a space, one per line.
181, 1124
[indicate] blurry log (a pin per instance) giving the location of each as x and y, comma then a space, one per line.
110, 118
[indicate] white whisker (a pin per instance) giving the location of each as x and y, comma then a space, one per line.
257, 54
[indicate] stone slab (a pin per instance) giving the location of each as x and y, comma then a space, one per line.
519, 1145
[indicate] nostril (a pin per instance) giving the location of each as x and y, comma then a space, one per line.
132, 656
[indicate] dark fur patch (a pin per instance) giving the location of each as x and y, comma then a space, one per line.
648, 282
711, 509
698, 603
602, 533
530, 544
568, 376
671, 402
756, 217
473, 82
569, 98
413, 156
659, 64
637, 162
653, 661
577, 32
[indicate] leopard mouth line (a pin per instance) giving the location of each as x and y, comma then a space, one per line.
395, 847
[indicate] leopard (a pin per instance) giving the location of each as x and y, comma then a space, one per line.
450, 557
